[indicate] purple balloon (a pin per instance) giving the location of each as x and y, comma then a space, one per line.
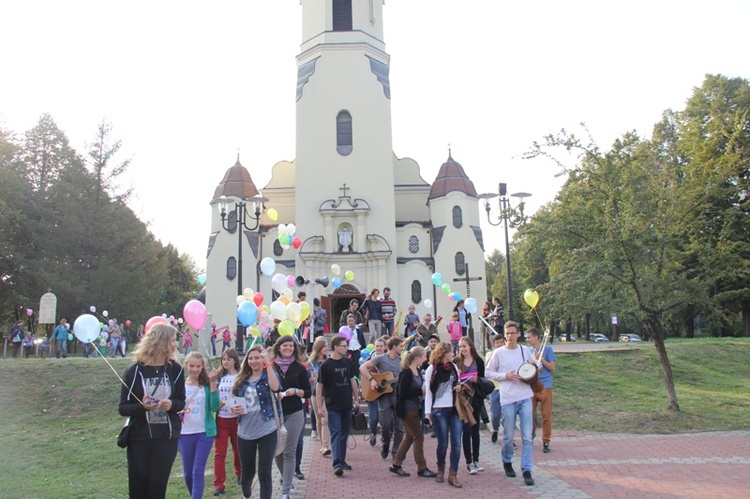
346, 332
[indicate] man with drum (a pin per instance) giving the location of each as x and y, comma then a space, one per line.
547, 361
515, 397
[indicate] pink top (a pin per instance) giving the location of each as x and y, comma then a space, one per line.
455, 331
188, 340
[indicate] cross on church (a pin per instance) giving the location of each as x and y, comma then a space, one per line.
468, 280
344, 188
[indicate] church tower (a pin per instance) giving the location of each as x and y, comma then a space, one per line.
345, 164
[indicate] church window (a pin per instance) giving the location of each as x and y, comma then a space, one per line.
458, 219
342, 15
277, 249
344, 133
232, 221
416, 292
460, 263
413, 244
231, 268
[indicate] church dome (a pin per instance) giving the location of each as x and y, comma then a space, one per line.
236, 183
451, 177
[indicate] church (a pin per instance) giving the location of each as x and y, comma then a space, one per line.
354, 203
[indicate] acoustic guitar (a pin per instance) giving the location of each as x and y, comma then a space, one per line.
385, 382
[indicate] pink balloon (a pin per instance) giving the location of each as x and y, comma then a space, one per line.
29, 312
290, 281
157, 319
195, 314
258, 299
346, 332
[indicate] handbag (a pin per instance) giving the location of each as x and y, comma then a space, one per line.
122, 438
281, 432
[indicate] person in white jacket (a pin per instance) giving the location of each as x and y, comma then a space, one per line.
515, 397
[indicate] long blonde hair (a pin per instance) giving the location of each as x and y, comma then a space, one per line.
318, 346
412, 354
156, 346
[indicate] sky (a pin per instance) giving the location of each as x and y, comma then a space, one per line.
188, 85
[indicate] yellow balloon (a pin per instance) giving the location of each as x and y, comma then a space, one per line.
273, 214
286, 328
248, 294
255, 330
294, 311
349, 275
531, 297
305, 310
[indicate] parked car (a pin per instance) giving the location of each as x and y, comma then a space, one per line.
630, 337
565, 338
598, 337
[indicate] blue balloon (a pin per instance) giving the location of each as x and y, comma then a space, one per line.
437, 279
365, 353
362, 360
336, 282
247, 313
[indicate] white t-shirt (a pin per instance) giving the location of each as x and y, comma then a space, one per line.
503, 361
195, 410
226, 399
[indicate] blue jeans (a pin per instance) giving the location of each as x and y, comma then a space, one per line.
495, 410
61, 346
522, 408
372, 410
194, 449
339, 423
387, 327
113, 344
448, 425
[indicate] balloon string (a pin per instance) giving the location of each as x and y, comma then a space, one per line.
118, 376
208, 354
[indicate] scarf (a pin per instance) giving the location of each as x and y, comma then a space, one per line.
283, 363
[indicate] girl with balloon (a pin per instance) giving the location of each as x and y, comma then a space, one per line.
295, 386
152, 395
256, 429
198, 423
226, 420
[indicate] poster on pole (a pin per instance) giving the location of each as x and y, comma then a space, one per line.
48, 309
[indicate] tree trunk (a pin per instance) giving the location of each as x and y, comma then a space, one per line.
587, 320
746, 318
690, 323
657, 333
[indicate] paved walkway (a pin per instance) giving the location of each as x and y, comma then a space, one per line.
705, 465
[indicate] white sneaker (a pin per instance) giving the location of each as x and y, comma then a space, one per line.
313, 434
472, 469
478, 468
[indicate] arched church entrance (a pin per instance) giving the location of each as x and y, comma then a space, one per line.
338, 301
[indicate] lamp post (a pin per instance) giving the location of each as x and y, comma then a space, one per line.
510, 216
237, 219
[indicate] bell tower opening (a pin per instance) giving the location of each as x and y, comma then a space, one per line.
342, 15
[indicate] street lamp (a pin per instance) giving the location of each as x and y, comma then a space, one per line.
511, 216
237, 219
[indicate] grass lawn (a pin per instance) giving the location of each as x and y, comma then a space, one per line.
59, 420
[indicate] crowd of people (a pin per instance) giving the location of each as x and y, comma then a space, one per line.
415, 384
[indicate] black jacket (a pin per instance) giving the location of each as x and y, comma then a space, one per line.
296, 377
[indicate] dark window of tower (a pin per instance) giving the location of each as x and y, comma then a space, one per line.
277, 249
458, 220
342, 15
231, 268
460, 267
413, 244
416, 292
344, 133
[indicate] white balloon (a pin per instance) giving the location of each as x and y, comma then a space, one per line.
105, 313
248, 293
291, 229
278, 310
278, 282
240, 300
288, 293
268, 266
282, 229
335, 269
428, 303
86, 328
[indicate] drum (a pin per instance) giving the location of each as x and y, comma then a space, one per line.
529, 373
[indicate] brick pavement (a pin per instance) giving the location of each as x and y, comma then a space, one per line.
711, 464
